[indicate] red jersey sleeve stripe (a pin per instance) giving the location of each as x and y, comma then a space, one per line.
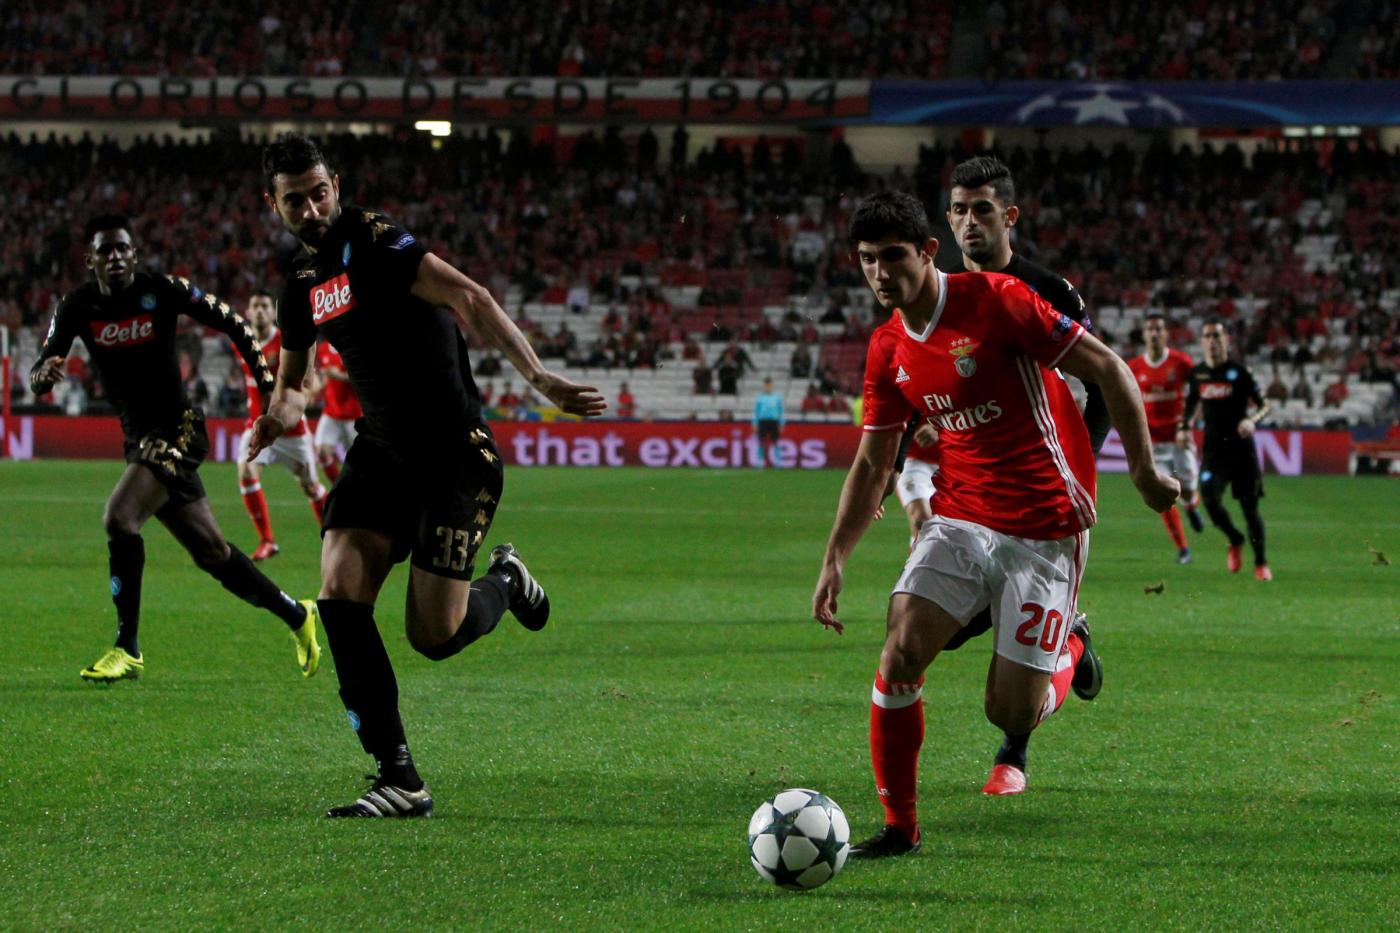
1074, 338
882, 427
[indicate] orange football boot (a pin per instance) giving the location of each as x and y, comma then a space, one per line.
1005, 780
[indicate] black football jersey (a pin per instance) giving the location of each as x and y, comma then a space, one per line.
405, 357
1225, 393
130, 336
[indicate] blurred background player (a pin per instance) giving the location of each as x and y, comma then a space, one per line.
293, 449
340, 407
1224, 391
976, 355
1162, 374
128, 320
914, 487
424, 477
768, 423
982, 211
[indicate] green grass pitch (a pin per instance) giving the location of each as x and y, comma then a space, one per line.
1238, 771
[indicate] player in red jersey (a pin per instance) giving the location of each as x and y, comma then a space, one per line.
1162, 375
292, 449
975, 354
335, 432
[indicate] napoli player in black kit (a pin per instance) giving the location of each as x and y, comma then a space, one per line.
1225, 391
127, 320
423, 477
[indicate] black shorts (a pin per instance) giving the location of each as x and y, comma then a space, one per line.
439, 515
768, 431
174, 456
1236, 466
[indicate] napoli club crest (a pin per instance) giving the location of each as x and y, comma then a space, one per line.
963, 360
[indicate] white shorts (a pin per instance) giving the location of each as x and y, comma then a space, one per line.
287, 450
1032, 586
915, 482
1177, 460
338, 433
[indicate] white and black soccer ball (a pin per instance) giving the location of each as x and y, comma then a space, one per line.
799, 839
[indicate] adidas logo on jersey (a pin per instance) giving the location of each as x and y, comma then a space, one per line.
331, 299
901, 376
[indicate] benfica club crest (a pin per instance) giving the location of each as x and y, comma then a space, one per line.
963, 360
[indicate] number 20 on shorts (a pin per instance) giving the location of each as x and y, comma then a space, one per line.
1041, 627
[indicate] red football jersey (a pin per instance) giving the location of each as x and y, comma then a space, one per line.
1013, 450
1163, 387
338, 398
272, 350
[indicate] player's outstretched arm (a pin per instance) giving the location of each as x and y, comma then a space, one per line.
1090, 360
46, 374
860, 496
288, 403
440, 284
48, 369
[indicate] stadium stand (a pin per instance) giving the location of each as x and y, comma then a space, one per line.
634, 271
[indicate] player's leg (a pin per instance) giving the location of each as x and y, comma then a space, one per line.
254, 501
1163, 454
1213, 485
301, 461
137, 496
1248, 489
194, 526
1043, 649
1185, 469
354, 563
447, 610
941, 584
325, 441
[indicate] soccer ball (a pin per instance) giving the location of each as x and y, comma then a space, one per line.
799, 839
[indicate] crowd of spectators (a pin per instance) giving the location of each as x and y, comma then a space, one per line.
572, 38
1123, 40
605, 227
1020, 39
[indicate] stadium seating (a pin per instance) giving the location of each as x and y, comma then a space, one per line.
1295, 245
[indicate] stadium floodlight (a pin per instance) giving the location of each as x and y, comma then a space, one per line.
436, 127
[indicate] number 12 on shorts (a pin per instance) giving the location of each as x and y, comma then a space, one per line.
455, 551
1040, 627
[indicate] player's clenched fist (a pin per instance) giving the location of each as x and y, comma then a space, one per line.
48, 375
265, 430
1157, 489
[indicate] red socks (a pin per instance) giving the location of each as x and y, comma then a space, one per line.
1172, 519
1064, 673
896, 734
256, 504
318, 506
331, 467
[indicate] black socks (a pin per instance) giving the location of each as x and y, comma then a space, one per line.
368, 688
487, 602
1013, 751
126, 560
242, 579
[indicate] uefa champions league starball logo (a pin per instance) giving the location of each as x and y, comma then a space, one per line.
1112, 104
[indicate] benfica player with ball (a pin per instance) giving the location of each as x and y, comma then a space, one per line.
976, 354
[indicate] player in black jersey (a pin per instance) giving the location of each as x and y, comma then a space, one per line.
1225, 391
127, 320
423, 477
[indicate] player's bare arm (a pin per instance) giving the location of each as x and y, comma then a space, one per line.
440, 284
47, 374
288, 403
860, 495
1089, 359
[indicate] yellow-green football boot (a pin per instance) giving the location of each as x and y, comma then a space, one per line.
113, 666
308, 651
